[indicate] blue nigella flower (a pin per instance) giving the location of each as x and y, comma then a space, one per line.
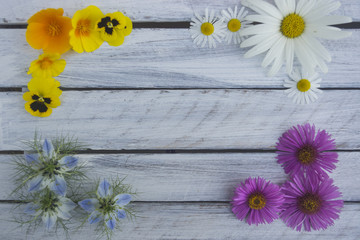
50, 169
50, 207
106, 206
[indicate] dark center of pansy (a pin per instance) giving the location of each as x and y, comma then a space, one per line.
256, 201
306, 154
108, 24
107, 205
309, 203
39, 103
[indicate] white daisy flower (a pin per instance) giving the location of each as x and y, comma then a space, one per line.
291, 29
303, 87
208, 29
235, 23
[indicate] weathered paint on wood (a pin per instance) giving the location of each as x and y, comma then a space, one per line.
167, 58
193, 177
211, 221
16, 11
181, 119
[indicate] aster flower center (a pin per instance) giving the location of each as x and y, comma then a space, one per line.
49, 202
54, 29
256, 201
303, 85
306, 155
82, 28
207, 28
107, 205
234, 25
292, 26
309, 203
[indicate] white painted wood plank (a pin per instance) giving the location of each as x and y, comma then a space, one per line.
195, 221
182, 119
138, 10
193, 177
167, 58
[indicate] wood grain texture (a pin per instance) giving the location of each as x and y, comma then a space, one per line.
195, 221
137, 10
167, 58
181, 119
193, 177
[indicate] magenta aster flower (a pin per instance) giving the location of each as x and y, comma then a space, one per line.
257, 201
310, 202
303, 150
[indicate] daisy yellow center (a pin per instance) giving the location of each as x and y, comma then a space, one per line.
256, 201
292, 26
54, 29
82, 28
303, 85
45, 63
306, 155
309, 203
207, 28
234, 25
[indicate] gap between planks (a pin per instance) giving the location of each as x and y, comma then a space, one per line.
185, 24
169, 151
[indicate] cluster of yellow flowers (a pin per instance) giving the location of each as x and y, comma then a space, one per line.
55, 34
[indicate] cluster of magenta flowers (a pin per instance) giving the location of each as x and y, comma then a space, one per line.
308, 199
50, 179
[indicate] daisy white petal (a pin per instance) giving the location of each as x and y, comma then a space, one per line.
207, 30
235, 23
303, 88
300, 22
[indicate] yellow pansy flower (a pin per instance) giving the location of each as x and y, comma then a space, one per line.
84, 36
47, 65
114, 27
43, 95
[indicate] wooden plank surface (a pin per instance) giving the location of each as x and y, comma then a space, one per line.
181, 119
137, 10
167, 58
196, 221
193, 177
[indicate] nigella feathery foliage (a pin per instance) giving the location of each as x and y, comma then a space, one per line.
107, 205
36, 162
50, 202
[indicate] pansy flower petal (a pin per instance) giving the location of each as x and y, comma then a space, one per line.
69, 161
122, 199
104, 189
89, 205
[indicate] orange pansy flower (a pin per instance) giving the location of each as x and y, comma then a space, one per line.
49, 30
